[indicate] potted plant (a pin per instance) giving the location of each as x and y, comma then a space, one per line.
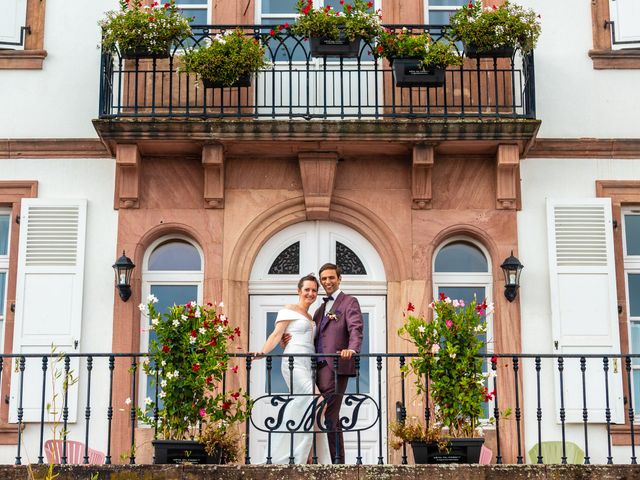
495, 31
334, 33
417, 60
188, 359
143, 31
448, 348
227, 61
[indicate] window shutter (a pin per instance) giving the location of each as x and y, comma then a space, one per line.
13, 17
626, 16
48, 300
584, 304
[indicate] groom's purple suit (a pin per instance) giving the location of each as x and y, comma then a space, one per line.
345, 332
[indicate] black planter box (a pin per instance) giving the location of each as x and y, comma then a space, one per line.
343, 47
183, 451
504, 51
460, 450
243, 81
408, 73
141, 52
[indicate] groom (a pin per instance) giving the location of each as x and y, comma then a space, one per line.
338, 330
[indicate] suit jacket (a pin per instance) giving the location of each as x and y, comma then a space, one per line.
343, 332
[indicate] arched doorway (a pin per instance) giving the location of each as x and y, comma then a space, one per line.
290, 254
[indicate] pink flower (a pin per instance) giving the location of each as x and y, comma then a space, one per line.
202, 412
449, 323
435, 348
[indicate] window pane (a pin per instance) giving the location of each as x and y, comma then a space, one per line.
192, 2
365, 371
635, 341
175, 255
634, 294
636, 389
461, 257
279, 6
200, 16
278, 384
3, 283
4, 234
446, 3
440, 17
286, 47
632, 234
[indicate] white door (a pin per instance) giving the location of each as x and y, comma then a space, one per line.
292, 253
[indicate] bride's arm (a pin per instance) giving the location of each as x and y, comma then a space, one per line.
275, 337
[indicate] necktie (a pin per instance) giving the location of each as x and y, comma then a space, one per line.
326, 299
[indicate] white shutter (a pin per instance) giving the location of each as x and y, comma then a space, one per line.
626, 16
584, 304
48, 299
13, 16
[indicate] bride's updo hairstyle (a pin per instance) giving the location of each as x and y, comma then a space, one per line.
310, 278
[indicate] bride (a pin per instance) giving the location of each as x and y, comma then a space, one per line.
295, 320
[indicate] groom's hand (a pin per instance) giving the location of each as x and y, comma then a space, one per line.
346, 353
285, 340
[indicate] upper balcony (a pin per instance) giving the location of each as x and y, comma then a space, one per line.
481, 99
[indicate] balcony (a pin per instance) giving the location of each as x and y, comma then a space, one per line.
587, 388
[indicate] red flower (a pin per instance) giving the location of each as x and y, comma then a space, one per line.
286, 24
213, 342
235, 369
205, 324
209, 304
470, 5
370, 4
494, 359
280, 27
349, 7
235, 395
151, 19
442, 296
341, 2
410, 307
165, 348
306, 9
232, 338
154, 4
226, 405
166, 5
195, 367
194, 333
237, 331
209, 379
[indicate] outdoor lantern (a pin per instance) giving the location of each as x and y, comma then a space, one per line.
123, 269
511, 268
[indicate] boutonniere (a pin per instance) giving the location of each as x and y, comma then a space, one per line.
332, 316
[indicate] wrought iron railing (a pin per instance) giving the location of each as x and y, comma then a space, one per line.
588, 389
299, 86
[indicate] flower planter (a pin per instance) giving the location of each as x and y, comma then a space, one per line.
460, 450
504, 51
243, 81
343, 47
408, 73
142, 52
184, 451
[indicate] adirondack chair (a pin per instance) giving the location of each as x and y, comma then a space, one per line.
552, 453
75, 452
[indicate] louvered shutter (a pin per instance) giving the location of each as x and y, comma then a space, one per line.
48, 299
13, 17
626, 17
584, 303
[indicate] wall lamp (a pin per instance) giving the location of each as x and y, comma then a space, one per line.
511, 268
123, 269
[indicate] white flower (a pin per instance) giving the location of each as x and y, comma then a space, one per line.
421, 328
162, 394
155, 321
184, 317
176, 323
175, 373
147, 401
163, 363
143, 308
163, 383
223, 317
221, 304
192, 340
152, 298
202, 330
220, 329
447, 300
197, 313
452, 355
127, 401
455, 303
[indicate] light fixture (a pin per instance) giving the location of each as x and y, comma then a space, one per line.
123, 269
511, 268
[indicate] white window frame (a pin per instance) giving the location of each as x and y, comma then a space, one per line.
4, 268
469, 279
615, 16
164, 277
631, 266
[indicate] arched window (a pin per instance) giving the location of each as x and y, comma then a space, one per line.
462, 270
173, 272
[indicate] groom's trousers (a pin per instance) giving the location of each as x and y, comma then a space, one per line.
333, 393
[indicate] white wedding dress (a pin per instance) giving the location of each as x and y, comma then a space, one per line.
297, 410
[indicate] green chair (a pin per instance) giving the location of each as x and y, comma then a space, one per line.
552, 453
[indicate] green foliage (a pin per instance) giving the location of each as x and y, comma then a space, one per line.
190, 355
404, 44
355, 20
447, 352
219, 435
492, 27
148, 27
228, 57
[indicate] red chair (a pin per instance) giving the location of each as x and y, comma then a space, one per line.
485, 456
75, 452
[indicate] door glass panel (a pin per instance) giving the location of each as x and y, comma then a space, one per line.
636, 389
3, 283
634, 294
635, 341
632, 234
4, 234
168, 295
278, 384
364, 361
